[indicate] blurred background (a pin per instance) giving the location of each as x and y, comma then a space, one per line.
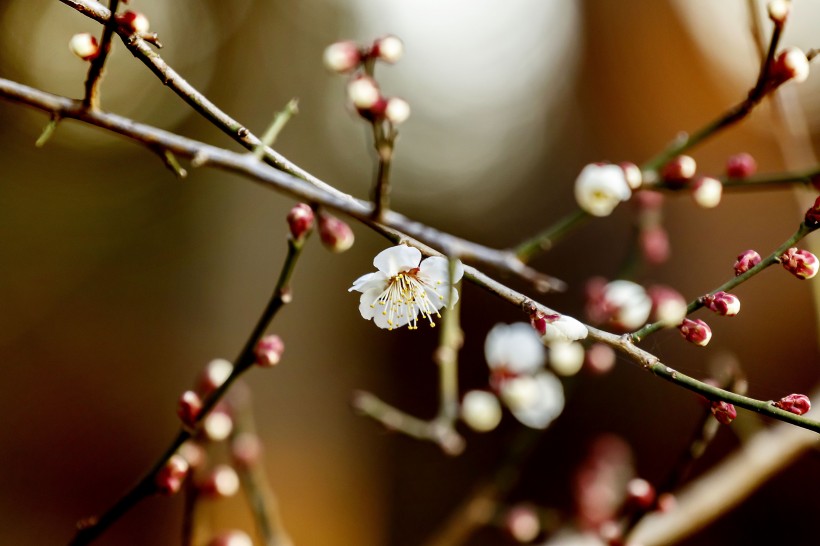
119, 282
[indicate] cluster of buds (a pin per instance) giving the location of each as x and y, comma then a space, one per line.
745, 261
722, 303
696, 331
680, 173
800, 263
363, 91
794, 403
724, 412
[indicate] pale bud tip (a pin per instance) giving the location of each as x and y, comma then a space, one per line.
779, 10
84, 46
388, 49
707, 191
342, 57
397, 110
481, 411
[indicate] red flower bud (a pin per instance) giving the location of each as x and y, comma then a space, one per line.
133, 22
722, 303
222, 481
679, 170
335, 234
790, 64
794, 403
741, 165
696, 331
745, 261
813, 214
189, 407
388, 49
724, 412
342, 57
170, 477
800, 263
84, 46
269, 351
654, 243
300, 221
640, 492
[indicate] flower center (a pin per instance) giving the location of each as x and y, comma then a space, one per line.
406, 297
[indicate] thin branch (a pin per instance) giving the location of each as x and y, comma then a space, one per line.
95, 70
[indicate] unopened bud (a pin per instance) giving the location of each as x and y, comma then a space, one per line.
84, 46
342, 57
215, 373
193, 452
218, 425
335, 234
522, 523
300, 221
481, 411
679, 170
800, 263
745, 261
231, 538
640, 492
707, 191
269, 351
363, 92
189, 407
246, 449
724, 412
397, 110
794, 403
668, 305
566, 357
779, 10
654, 244
600, 358
221, 481
649, 200
741, 165
696, 331
388, 49
722, 303
812, 218
170, 477
791, 64
633, 174
133, 22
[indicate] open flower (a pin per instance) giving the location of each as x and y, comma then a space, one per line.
513, 349
599, 189
404, 287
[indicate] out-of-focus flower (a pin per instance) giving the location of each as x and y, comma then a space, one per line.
189, 407
633, 174
812, 218
342, 57
363, 92
221, 481
800, 263
622, 303
794, 403
397, 110
84, 46
404, 287
388, 49
599, 189
133, 22
566, 357
522, 523
654, 243
269, 351
481, 410
535, 400
779, 10
170, 477
513, 349
741, 165
679, 170
707, 191
745, 261
231, 538
790, 64
600, 358
668, 305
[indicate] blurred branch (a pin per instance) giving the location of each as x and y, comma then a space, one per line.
95, 70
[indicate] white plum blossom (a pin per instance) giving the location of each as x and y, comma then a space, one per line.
558, 328
535, 400
566, 357
514, 348
404, 287
481, 410
599, 189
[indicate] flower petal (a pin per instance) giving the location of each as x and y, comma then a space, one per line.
367, 303
541, 409
369, 281
515, 347
395, 259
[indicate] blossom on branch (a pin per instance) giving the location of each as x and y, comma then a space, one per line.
800, 263
558, 327
794, 403
696, 331
404, 287
599, 189
745, 261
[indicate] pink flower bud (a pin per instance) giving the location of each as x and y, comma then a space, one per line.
269, 351
679, 170
397, 110
813, 214
722, 303
522, 523
779, 10
335, 234
633, 174
170, 477
745, 261
231, 538
133, 22
800, 263
696, 331
388, 49
84, 46
300, 221
790, 64
342, 57
600, 358
649, 200
640, 493
794, 403
654, 244
668, 305
221, 481
246, 449
189, 407
707, 191
741, 165
724, 412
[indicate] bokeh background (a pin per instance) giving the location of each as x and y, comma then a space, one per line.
118, 282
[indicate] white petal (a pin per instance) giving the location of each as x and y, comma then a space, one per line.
367, 303
632, 302
398, 258
565, 329
515, 346
545, 406
599, 189
369, 281
437, 269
